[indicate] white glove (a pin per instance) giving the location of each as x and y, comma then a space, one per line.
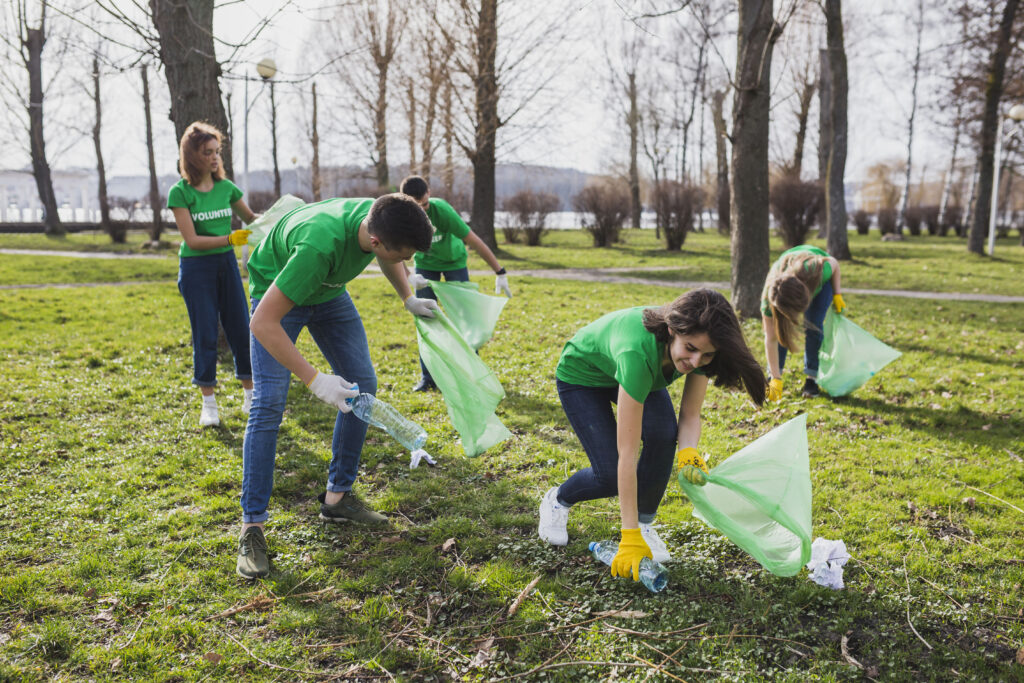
501, 285
417, 281
422, 307
333, 390
420, 454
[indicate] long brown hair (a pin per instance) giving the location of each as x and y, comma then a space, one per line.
707, 311
788, 290
196, 135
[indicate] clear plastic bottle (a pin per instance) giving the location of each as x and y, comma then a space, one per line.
653, 575
372, 410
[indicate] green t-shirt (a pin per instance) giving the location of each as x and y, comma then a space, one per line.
447, 249
312, 252
616, 349
210, 211
826, 271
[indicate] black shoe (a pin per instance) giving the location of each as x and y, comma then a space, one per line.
810, 389
425, 385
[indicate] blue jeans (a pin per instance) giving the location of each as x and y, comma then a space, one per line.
212, 289
457, 275
589, 410
337, 329
814, 323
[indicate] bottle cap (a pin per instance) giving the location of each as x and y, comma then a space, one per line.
355, 385
591, 546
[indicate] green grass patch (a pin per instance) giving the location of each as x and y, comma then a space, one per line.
119, 515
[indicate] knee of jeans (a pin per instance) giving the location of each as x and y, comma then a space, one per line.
662, 434
608, 483
367, 384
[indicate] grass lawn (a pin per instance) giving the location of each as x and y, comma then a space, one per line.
118, 514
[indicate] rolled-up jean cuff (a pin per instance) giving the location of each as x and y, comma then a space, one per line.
337, 488
646, 519
258, 518
813, 374
204, 384
243, 377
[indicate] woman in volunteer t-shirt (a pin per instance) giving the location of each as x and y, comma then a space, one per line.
802, 283
203, 202
628, 358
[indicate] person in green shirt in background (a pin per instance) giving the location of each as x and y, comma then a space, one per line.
203, 202
804, 281
297, 280
447, 255
628, 358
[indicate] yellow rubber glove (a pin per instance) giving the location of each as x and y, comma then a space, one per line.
838, 303
239, 237
774, 389
632, 549
692, 466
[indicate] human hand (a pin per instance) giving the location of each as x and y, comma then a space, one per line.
422, 307
417, 281
501, 285
838, 303
632, 549
333, 390
692, 466
775, 389
239, 237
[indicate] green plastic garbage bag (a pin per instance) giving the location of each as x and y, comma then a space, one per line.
262, 225
471, 391
474, 314
849, 355
760, 498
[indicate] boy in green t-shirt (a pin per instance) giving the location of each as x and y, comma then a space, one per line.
447, 255
297, 279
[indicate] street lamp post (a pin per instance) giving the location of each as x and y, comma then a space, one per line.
1017, 114
266, 68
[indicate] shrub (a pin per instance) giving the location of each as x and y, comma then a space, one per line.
261, 200
605, 207
675, 205
887, 221
795, 205
913, 219
528, 212
951, 219
861, 220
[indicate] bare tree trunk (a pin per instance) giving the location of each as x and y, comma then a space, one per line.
185, 28
972, 195
989, 124
755, 41
824, 116
722, 194
380, 129
483, 156
273, 141
905, 197
33, 41
101, 169
154, 186
635, 208
448, 173
806, 96
835, 188
947, 183
315, 140
410, 93
700, 149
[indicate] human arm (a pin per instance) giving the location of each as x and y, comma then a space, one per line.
632, 547
691, 464
771, 349
242, 210
481, 248
183, 219
837, 290
266, 327
398, 275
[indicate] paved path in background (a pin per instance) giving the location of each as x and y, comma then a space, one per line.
606, 275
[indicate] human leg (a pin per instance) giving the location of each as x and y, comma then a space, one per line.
589, 410
197, 278
658, 432
814, 324
234, 318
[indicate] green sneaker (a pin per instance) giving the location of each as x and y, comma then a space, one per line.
349, 509
252, 554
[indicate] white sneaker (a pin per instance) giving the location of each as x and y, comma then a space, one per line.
553, 518
658, 548
209, 417
246, 402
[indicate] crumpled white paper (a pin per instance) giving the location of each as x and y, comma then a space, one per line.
420, 454
827, 560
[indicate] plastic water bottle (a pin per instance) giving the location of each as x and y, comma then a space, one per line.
653, 575
372, 410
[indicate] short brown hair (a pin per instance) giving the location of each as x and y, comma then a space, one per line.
707, 311
195, 136
398, 221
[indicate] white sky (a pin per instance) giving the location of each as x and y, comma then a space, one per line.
584, 128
